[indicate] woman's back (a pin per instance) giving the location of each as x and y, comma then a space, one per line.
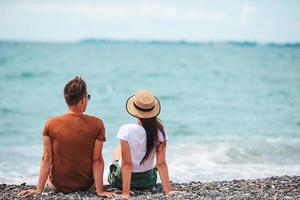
135, 135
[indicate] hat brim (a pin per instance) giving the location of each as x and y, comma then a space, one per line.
140, 114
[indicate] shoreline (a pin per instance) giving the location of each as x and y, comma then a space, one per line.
278, 187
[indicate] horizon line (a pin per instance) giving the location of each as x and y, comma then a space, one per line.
169, 41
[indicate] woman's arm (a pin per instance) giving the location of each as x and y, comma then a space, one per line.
98, 169
126, 168
163, 167
44, 169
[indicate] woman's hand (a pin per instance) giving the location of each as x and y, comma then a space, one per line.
106, 194
29, 192
125, 195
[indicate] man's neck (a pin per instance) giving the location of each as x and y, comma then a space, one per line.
74, 110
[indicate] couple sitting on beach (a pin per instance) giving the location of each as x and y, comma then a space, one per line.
72, 147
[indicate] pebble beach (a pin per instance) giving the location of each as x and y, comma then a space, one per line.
279, 187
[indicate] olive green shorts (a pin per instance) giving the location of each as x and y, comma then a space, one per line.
139, 181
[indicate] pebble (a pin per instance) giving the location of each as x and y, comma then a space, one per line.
279, 187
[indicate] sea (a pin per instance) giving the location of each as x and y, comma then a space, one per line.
231, 110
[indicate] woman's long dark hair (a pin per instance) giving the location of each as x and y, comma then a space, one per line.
152, 126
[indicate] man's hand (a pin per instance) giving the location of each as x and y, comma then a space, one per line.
29, 192
106, 194
175, 192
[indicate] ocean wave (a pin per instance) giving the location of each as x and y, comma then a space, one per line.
220, 159
31, 74
5, 110
25, 75
168, 97
10, 174
230, 159
189, 159
229, 172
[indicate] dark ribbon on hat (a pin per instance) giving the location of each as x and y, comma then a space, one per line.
143, 109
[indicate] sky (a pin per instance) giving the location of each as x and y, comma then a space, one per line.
198, 20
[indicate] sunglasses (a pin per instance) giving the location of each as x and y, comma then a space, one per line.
88, 97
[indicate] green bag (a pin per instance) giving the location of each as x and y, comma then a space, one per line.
139, 180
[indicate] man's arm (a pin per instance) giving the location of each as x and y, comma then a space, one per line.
98, 166
44, 169
126, 168
98, 169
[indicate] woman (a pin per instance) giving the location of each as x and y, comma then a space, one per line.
140, 144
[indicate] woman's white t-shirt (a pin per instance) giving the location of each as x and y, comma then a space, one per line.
135, 135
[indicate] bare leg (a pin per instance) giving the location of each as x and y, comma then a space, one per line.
117, 153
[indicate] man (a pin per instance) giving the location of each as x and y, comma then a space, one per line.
72, 156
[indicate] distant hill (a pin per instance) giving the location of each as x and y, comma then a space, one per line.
184, 42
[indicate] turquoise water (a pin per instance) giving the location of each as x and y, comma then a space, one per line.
230, 111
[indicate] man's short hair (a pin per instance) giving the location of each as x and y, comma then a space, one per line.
74, 91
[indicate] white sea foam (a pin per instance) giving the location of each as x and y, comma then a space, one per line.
194, 160
198, 159
18, 174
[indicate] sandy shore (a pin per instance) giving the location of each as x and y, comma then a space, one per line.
280, 187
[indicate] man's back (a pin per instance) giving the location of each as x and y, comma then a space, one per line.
73, 137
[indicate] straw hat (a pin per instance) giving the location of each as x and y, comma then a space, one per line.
143, 105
